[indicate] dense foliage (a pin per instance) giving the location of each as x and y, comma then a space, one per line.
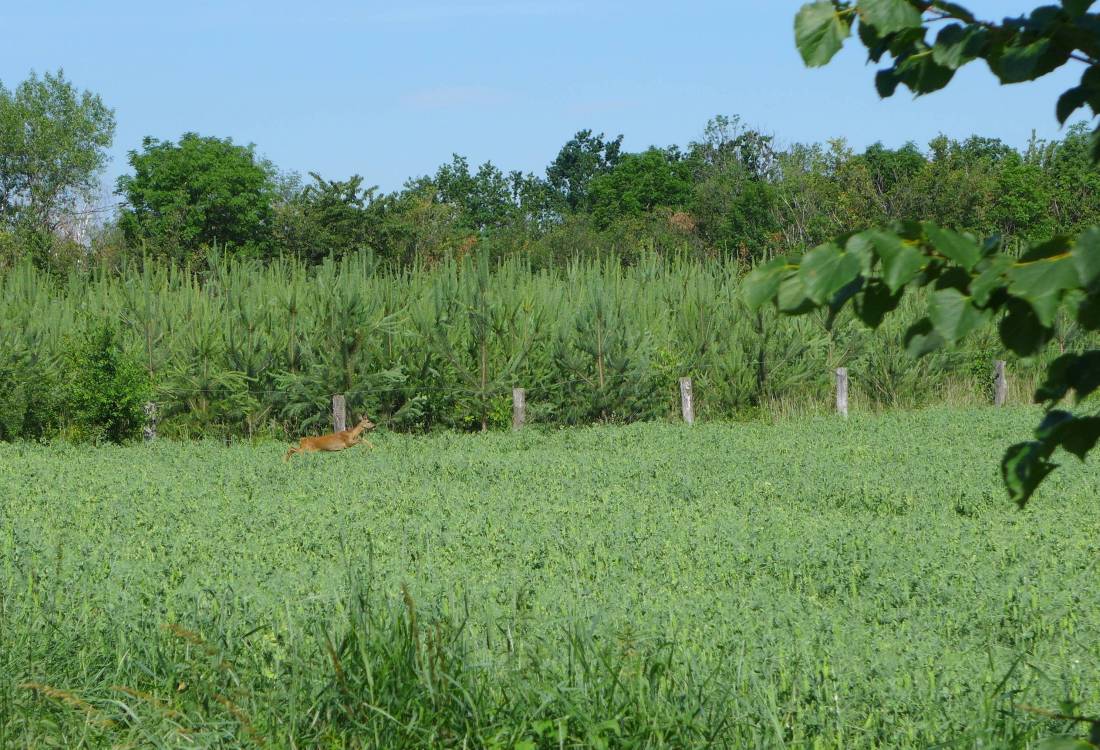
185, 196
746, 586
106, 389
733, 194
237, 348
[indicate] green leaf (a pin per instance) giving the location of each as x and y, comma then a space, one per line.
1080, 437
1042, 283
953, 315
1086, 256
1077, 8
876, 300
1088, 312
908, 230
1051, 424
836, 304
886, 82
921, 338
991, 279
826, 269
1077, 435
1026, 62
1023, 468
956, 11
1019, 62
1043, 19
762, 283
862, 247
956, 45
1021, 330
877, 45
1077, 372
845, 293
1084, 374
924, 75
888, 16
901, 261
953, 277
958, 247
1069, 102
791, 297
819, 32
1056, 385
1055, 247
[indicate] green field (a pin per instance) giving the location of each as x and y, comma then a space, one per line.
814, 583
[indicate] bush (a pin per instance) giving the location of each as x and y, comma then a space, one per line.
107, 388
28, 407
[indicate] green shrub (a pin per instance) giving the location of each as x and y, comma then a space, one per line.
28, 403
106, 388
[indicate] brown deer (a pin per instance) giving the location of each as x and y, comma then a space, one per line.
336, 441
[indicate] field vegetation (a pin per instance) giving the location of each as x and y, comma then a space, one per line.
818, 583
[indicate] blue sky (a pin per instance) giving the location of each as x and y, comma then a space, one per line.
391, 90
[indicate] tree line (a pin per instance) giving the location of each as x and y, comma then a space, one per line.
734, 193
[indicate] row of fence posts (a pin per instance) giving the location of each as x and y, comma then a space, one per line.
687, 402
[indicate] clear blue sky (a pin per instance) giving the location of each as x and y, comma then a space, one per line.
391, 90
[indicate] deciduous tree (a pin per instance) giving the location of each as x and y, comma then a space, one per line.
53, 148
202, 191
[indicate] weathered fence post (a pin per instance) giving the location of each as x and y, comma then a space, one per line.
519, 407
339, 413
842, 391
687, 406
150, 429
1000, 383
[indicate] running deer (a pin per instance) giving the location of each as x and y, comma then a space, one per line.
336, 441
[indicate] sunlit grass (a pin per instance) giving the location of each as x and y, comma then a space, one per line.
814, 583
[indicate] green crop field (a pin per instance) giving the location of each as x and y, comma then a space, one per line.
813, 583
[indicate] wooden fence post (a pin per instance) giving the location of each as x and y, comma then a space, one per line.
842, 391
687, 406
339, 413
519, 407
1000, 383
149, 432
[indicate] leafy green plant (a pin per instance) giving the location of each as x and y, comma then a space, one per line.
28, 402
106, 389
